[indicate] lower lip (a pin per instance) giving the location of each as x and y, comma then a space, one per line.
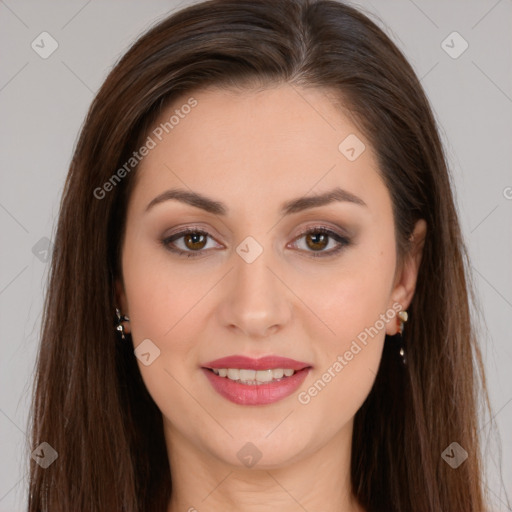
256, 394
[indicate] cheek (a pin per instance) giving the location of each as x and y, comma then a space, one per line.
169, 304
160, 293
164, 305
355, 308
351, 297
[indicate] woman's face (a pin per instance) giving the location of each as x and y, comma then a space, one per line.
248, 281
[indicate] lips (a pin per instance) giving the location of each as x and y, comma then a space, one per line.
262, 394
263, 363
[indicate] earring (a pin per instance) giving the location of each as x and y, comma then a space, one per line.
120, 327
402, 318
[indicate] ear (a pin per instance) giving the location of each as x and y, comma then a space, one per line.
122, 302
405, 281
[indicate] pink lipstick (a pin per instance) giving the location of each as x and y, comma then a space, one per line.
247, 381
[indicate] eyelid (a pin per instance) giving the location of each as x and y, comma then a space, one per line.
337, 230
194, 228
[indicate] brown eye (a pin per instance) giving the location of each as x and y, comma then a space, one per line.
317, 239
195, 241
192, 242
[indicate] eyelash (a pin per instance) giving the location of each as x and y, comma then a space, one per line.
341, 240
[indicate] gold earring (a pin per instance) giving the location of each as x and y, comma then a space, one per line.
403, 317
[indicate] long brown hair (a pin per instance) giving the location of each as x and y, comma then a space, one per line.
90, 403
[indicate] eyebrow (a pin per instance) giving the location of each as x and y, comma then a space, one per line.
293, 206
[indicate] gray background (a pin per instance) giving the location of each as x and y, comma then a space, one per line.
43, 103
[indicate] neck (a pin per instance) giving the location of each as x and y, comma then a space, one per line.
319, 480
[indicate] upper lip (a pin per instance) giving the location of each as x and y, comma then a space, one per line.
263, 363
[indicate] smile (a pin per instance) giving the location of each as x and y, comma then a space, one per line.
247, 381
253, 377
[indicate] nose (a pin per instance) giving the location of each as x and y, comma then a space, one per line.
256, 302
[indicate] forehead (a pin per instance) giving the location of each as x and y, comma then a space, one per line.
281, 141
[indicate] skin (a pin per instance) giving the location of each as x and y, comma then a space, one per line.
253, 151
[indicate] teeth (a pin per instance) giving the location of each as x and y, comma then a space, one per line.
233, 374
279, 372
253, 376
247, 374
